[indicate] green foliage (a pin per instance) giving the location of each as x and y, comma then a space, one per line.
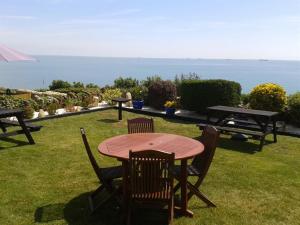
160, 92
149, 80
268, 96
125, 83
184, 77
28, 112
78, 85
245, 98
139, 93
111, 93
10, 102
197, 95
170, 104
56, 84
294, 108
91, 85
51, 108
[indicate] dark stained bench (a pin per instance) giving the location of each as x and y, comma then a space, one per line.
261, 122
255, 134
26, 128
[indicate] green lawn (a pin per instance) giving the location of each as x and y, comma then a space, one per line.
48, 183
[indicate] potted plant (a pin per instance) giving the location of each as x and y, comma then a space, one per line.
170, 107
138, 95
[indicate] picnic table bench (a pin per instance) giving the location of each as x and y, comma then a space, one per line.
257, 123
26, 128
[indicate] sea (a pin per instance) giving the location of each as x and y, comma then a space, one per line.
103, 71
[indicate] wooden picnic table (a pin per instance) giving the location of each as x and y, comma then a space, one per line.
26, 127
183, 147
120, 101
257, 123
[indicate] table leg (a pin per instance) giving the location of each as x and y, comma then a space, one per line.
125, 190
274, 130
184, 198
120, 110
25, 130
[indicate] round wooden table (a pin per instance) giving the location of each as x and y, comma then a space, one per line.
183, 147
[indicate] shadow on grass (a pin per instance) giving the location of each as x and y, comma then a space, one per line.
241, 146
176, 120
77, 212
13, 141
109, 120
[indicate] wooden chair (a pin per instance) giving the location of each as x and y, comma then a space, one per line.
151, 179
106, 177
200, 164
140, 125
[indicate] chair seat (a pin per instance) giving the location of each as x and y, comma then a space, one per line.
111, 173
191, 170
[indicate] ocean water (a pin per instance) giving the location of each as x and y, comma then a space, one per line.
103, 71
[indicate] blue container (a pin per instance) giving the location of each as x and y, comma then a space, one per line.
170, 111
137, 104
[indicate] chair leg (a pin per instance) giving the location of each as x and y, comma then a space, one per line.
261, 144
200, 195
171, 211
128, 216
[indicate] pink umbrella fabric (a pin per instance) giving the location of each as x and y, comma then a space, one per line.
9, 55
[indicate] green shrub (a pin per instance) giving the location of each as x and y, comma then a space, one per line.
268, 96
149, 80
126, 83
139, 93
28, 112
184, 77
197, 95
91, 85
160, 92
111, 93
11, 102
294, 108
51, 108
56, 84
245, 98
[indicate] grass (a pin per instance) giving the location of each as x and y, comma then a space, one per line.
48, 183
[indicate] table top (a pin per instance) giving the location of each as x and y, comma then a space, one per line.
121, 100
242, 111
119, 146
9, 112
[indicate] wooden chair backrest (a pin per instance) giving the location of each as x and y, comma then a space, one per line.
140, 125
90, 155
209, 139
150, 175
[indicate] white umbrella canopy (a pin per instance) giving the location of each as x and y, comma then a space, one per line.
10, 55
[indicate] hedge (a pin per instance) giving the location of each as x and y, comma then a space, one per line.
197, 95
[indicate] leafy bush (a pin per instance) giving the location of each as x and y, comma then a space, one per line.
91, 85
56, 84
111, 93
51, 108
294, 108
126, 82
268, 96
78, 85
184, 77
150, 80
160, 92
28, 112
139, 93
10, 102
245, 98
197, 95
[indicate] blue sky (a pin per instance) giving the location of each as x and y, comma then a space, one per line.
165, 28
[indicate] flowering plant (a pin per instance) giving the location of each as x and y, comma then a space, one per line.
170, 104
